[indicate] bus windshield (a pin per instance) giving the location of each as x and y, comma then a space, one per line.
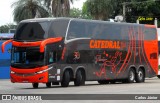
32, 31
26, 57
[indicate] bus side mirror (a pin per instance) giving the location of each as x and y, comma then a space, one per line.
4, 44
48, 41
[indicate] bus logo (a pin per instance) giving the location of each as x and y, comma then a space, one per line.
104, 44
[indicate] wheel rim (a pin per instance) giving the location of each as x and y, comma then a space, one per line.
131, 76
140, 74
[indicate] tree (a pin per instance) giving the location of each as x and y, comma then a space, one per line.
85, 13
143, 8
100, 9
26, 9
59, 7
104, 9
77, 13
5, 28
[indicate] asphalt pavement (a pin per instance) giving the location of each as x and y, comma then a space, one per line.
151, 87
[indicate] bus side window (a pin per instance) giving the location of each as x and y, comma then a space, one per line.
54, 56
58, 28
51, 57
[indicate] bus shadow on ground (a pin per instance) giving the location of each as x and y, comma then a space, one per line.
86, 85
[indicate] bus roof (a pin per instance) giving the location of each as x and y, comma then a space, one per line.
83, 20
43, 19
76, 19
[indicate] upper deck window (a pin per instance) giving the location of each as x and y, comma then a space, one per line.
78, 29
32, 31
97, 30
150, 34
58, 28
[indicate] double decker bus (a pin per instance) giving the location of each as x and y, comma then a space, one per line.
60, 50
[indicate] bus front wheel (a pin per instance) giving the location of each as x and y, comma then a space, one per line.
35, 85
65, 79
48, 84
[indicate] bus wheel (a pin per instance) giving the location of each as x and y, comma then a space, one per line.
140, 76
35, 85
131, 76
80, 79
158, 76
65, 79
112, 81
48, 84
103, 82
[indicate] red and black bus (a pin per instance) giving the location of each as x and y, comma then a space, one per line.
60, 50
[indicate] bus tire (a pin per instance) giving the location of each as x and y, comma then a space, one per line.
80, 79
66, 79
48, 85
35, 85
140, 76
112, 81
103, 82
131, 76
158, 76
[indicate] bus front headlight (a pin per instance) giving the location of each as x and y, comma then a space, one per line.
42, 71
12, 72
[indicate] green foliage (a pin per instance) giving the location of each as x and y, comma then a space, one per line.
85, 13
77, 13
26, 9
104, 9
99, 9
147, 8
5, 28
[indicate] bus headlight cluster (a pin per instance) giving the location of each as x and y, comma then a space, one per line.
12, 72
43, 70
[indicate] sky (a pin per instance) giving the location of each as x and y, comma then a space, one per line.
6, 10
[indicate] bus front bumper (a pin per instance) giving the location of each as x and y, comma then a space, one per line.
29, 78
35, 75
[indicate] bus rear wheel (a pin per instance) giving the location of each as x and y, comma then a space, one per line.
65, 79
140, 76
131, 76
35, 85
80, 78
